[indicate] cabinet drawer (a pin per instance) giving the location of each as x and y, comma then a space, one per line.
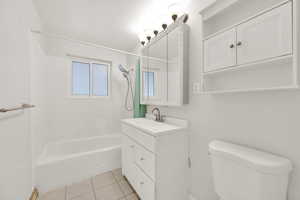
142, 138
145, 186
146, 161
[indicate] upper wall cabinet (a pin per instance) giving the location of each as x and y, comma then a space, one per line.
266, 36
164, 68
257, 53
221, 47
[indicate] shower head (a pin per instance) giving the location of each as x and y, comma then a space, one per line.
123, 69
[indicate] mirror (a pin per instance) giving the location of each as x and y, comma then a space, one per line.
164, 69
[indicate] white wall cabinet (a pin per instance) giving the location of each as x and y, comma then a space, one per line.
266, 36
220, 51
155, 164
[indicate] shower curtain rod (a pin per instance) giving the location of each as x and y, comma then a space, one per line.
85, 43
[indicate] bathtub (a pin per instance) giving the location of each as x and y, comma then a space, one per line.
66, 162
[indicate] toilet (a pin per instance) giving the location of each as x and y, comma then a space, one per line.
241, 173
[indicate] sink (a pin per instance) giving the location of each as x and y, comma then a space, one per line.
157, 128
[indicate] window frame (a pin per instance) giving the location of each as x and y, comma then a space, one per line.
90, 62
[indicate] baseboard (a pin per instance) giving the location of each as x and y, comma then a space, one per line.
34, 194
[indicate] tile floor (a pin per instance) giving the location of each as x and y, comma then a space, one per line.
108, 186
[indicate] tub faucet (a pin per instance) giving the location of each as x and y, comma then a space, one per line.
158, 116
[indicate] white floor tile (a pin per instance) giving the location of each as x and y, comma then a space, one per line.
118, 174
88, 196
78, 189
111, 192
59, 194
125, 187
102, 180
132, 197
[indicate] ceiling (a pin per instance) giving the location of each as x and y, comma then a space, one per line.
107, 22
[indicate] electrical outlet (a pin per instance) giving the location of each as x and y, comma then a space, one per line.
196, 88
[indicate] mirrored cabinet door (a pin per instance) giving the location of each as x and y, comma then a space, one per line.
144, 93
164, 74
174, 75
155, 73
177, 66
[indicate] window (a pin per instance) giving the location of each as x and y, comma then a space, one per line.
149, 84
90, 79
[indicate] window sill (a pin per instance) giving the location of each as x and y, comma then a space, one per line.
89, 97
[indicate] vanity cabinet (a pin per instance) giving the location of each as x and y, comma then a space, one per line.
266, 36
164, 68
154, 160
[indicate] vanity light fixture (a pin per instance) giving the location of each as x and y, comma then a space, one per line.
164, 26
149, 38
186, 18
143, 43
155, 32
174, 17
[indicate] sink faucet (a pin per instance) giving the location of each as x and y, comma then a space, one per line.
156, 113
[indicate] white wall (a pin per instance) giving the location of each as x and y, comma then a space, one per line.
16, 19
268, 121
61, 117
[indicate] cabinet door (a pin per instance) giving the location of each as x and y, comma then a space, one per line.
267, 36
156, 76
175, 67
144, 74
219, 51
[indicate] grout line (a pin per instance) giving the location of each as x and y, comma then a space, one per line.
66, 192
93, 188
118, 183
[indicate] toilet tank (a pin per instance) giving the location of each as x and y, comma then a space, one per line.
248, 174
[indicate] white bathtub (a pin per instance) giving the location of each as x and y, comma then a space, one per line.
66, 162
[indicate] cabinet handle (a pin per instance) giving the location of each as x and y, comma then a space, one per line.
231, 46
142, 159
239, 43
141, 183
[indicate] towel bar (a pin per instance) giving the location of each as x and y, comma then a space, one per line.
22, 107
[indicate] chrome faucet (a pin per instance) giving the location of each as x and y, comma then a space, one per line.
158, 116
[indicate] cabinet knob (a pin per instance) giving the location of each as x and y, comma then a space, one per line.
142, 159
231, 46
239, 43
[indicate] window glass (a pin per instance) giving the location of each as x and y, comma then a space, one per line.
100, 79
81, 78
149, 84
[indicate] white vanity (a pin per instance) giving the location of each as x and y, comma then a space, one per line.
155, 158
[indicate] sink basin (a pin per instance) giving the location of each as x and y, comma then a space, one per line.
156, 128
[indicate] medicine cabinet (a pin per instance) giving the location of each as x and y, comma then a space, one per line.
164, 68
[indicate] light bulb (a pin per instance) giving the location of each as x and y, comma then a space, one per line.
165, 19
142, 36
175, 10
